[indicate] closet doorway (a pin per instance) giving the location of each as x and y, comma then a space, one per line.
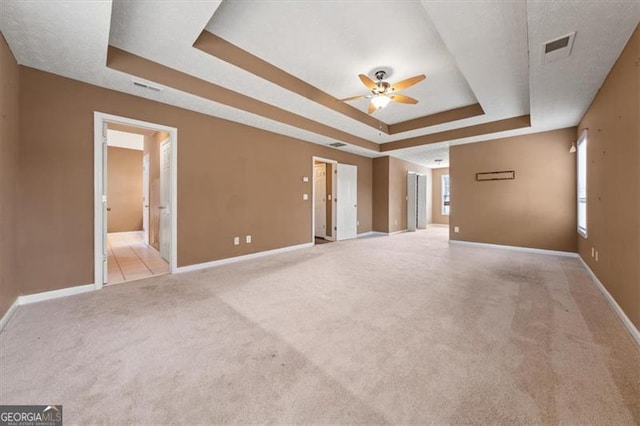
323, 205
335, 201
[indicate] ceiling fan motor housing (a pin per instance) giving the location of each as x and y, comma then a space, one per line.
382, 86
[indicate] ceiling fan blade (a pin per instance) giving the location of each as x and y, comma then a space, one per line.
403, 99
408, 82
353, 98
367, 82
372, 108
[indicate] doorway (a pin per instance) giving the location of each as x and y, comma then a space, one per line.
417, 200
135, 199
323, 190
334, 211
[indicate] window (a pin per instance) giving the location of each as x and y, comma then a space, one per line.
582, 184
445, 195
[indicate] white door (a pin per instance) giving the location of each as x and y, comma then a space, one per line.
105, 217
346, 202
412, 194
145, 197
422, 202
165, 200
320, 199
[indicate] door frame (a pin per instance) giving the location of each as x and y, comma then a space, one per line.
313, 198
99, 119
146, 190
320, 166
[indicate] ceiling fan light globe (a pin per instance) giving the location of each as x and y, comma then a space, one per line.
380, 101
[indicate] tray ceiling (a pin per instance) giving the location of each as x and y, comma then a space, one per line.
483, 56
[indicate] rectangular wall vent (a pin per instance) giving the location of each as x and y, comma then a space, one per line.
557, 48
337, 144
555, 45
146, 86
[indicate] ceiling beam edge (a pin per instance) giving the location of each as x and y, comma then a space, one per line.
226, 51
460, 133
129, 63
451, 115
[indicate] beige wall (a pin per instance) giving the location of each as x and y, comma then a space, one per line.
227, 172
124, 189
438, 217
537, 209
613, 181
381, 194
9, 105
152, 148
390, 192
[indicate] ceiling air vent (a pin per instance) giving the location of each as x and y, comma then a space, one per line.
146, 86
557, 48
337, 144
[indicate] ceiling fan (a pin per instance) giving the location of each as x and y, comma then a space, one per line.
382, 92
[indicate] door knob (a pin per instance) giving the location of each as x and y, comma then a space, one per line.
108, 209
161, 207
146, 206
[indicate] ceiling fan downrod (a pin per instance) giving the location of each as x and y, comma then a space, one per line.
380, 75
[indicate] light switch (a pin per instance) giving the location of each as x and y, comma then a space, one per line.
456, 229
247, 239
236, 241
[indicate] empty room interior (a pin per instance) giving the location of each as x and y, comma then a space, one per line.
337, 212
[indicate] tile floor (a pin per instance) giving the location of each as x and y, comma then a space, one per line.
131, 259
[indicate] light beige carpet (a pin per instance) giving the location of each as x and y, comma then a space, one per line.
399, 329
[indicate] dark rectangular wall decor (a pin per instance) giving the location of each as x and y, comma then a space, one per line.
502, 175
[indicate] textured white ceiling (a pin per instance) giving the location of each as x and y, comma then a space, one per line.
561, 91
333, 44
495, 46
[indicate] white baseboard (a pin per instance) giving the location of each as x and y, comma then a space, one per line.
229, 260
635, 333
41, 297
55, 294
397, 232
7, 316
515, 248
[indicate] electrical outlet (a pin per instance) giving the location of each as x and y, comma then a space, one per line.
247, 239
305, 178
305, 197
456, 229
236, 241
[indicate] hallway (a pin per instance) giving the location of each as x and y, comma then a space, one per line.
131, 259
